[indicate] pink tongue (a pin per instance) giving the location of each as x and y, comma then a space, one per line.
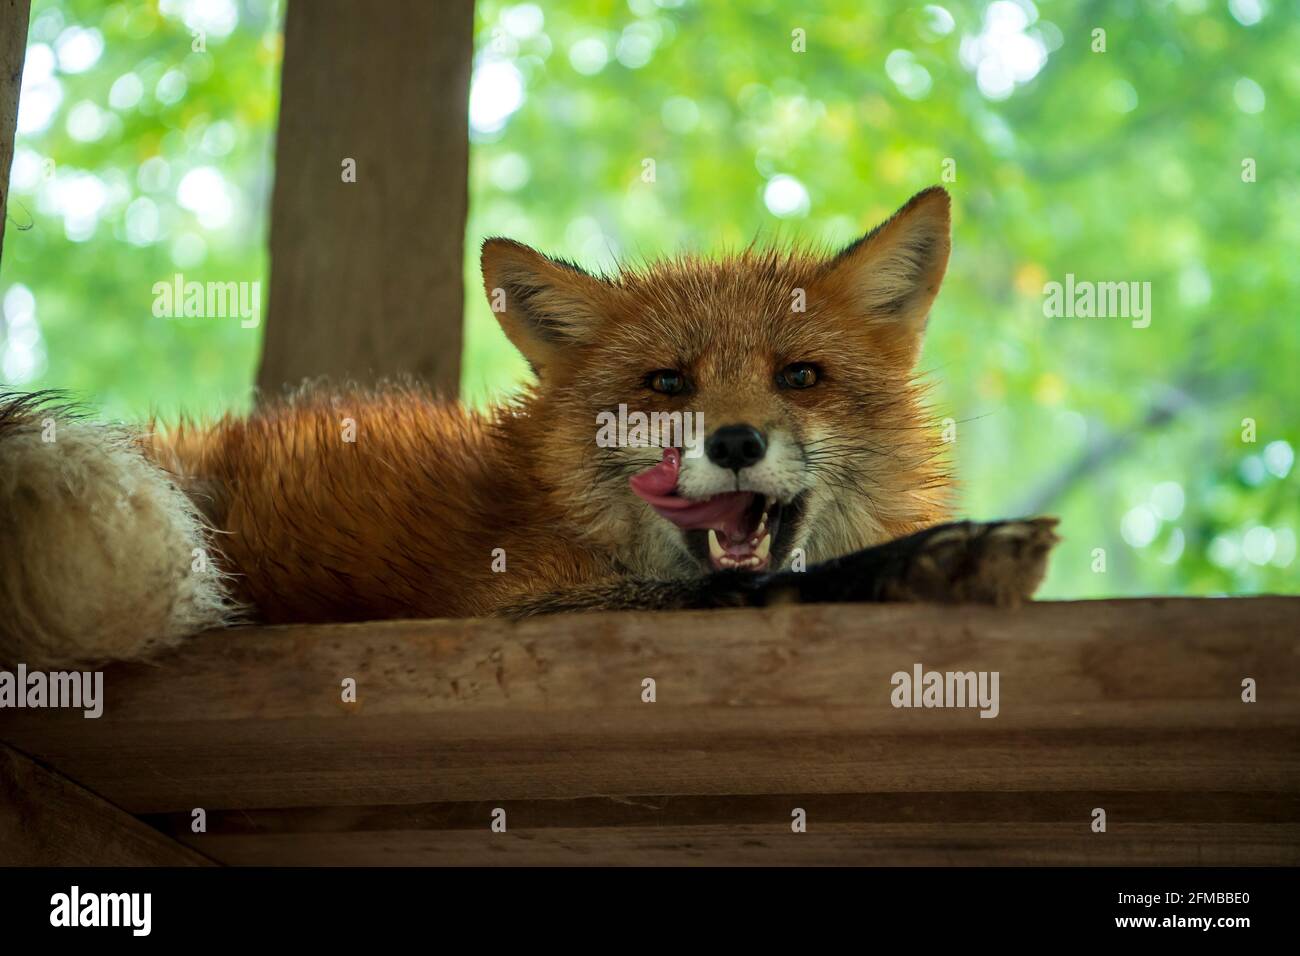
727, 512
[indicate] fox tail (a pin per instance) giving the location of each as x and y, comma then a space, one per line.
102, 556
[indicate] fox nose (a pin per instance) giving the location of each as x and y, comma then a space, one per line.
736, 446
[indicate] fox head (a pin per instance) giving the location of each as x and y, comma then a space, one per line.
785, 424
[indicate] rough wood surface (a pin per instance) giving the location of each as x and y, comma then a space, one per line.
367, 276
1133, 706
46, 820
13, 50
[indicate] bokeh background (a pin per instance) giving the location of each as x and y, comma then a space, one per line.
1173, 157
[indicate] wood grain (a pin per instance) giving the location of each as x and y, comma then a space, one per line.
897, 844
46, 820
1133, 702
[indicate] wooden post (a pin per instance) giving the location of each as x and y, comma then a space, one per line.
13, 49
366, 276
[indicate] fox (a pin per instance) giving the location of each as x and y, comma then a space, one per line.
817, 474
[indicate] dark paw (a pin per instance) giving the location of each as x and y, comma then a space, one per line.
1000, 562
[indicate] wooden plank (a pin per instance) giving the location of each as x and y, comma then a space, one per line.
885, 844
1108, 698
13, 50
1155, 828
367, 276
46, 820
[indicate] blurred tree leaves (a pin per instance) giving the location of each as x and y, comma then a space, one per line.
97, 215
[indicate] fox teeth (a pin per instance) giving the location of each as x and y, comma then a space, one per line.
715, 547
764, 548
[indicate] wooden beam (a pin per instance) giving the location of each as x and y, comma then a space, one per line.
923, 828
13, 50
46, 820
367, 276
1132, 706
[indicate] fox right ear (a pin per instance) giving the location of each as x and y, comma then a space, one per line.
891, 275
544, 305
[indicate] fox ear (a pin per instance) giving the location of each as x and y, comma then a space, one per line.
891, 275
544, 305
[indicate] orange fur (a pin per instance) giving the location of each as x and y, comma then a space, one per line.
402, 522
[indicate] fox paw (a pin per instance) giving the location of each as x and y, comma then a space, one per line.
1000, 562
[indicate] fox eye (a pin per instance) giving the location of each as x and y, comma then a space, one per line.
666, 380
797, 375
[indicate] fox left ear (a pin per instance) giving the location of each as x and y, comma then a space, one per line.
891, 275
544, 305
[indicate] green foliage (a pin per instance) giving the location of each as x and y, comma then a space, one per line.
1122, 165
94, 291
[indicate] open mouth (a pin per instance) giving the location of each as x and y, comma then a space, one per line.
736, 528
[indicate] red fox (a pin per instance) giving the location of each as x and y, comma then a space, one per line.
815, 477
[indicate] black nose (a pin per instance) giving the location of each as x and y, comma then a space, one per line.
736, 446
